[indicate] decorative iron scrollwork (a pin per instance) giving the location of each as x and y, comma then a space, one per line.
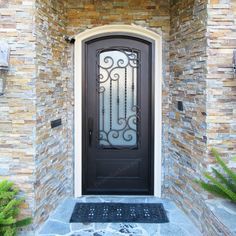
117, 86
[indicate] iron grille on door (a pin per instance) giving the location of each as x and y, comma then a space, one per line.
117, 87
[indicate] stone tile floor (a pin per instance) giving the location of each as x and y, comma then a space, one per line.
58, 223
225, 211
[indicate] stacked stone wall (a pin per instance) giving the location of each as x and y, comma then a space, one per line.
17, 105
200, 53
187, 131
53, 161
198, 42
154, 15
55, 83
221, 79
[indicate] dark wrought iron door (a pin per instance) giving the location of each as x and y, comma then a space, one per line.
117, 116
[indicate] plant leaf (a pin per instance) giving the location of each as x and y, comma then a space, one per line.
213, 189
231, 194
23, 222
224, 180
231, 174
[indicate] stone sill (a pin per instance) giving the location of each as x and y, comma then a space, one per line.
224, 211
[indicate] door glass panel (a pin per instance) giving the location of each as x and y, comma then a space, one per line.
117, 95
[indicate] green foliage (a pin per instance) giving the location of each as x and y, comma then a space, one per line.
9, 210
223, 185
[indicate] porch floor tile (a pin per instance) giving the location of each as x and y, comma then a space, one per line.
58, 222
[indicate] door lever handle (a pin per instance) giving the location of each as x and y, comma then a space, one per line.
90, 137
90, 130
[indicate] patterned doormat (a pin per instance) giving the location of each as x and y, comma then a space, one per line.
119, 212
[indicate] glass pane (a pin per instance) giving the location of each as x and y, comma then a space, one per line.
117, 87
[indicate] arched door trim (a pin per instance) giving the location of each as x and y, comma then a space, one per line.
138, 32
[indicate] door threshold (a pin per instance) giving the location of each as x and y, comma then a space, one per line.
118, 196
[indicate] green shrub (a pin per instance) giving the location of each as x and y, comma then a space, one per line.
9, 210
223, 185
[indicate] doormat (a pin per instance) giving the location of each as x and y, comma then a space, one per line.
119, 212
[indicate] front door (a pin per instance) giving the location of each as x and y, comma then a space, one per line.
117, 116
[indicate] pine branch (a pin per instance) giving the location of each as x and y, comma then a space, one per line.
13, 203
10, 232
9, 209
5, 185
7, 195
7, 221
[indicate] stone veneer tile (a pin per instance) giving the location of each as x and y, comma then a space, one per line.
225, 211
198, 41
179, 224
55, 227
17, 105
55, 83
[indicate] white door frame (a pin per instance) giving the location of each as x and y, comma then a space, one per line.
139, 32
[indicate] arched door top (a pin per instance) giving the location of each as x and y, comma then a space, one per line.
138, 31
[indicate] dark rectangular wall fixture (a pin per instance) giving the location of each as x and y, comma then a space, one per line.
55, 123
180, 106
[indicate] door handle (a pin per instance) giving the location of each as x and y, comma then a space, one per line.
90, 137
90, 130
